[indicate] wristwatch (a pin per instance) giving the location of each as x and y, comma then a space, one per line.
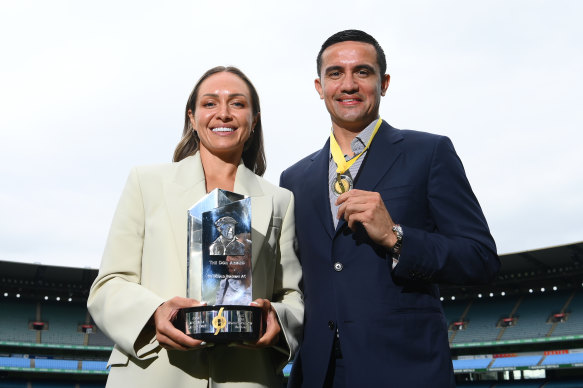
397, 247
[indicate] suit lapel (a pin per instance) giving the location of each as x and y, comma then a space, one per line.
381, 156
316, 185
247, 183
181, 191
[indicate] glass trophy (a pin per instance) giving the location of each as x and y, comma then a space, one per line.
219, 236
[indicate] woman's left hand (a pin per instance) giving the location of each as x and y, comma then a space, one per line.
272, 330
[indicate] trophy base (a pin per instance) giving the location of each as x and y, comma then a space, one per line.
229, 323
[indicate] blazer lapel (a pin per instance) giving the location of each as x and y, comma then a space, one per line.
181, 191
247, 183
316, 185
381, 156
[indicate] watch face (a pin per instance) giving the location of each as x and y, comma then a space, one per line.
398, 231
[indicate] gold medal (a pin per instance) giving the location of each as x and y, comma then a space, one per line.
342, 184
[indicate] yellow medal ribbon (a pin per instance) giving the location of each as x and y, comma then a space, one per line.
342, 184
338, 155
219, 322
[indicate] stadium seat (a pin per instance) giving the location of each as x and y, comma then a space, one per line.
15, 362
41, 363
94, 365
516, 361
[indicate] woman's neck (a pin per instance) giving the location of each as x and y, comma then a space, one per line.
219, 172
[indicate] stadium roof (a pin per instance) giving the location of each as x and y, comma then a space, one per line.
37, 280
558, 266
563, 256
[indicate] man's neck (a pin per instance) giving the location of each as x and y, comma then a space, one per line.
344, 136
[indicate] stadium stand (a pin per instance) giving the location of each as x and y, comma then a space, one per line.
97, 338
538, 349
518, 361
472, 363
94, 365
574, 323
482, 318
63, 321
533, 314
14, 326
563, 359
14, 362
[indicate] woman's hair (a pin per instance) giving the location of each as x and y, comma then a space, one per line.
253, 153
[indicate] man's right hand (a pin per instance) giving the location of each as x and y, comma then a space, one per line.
167, 335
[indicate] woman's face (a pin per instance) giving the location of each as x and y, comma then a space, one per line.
223, 117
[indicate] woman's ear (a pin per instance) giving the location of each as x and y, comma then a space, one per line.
191, 117
255, 120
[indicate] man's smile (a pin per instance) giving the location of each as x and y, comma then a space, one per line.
349, 100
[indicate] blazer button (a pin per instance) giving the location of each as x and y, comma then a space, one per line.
331, 325
338, 266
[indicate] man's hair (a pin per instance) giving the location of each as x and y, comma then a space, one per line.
353, 36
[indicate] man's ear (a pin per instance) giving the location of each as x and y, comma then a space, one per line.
385, 80
318, 85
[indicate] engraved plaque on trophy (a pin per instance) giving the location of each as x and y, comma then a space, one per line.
219, 243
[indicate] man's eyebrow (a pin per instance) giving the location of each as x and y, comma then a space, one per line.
365, 67
333, 68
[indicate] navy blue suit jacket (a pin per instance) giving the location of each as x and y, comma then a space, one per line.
391, 323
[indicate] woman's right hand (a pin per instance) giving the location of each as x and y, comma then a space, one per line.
167, 335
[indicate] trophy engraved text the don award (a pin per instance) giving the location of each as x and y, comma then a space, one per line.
219, 236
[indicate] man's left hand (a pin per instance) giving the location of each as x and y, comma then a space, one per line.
368, 208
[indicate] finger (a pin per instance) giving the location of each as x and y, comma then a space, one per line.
264, 304
167, 342
271, 335
167, 334
349, 210
352, 195
179, 302
341, 211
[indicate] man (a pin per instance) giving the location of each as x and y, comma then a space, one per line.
382, 216
226, 243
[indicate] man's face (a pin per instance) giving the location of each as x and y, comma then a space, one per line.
351, 84
228, 230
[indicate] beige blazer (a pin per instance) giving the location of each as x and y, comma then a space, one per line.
144, 264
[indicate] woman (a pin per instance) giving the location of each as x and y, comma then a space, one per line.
142, 277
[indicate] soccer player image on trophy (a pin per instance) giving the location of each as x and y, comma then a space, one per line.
219, 236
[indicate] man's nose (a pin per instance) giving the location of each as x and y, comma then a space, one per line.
349, 85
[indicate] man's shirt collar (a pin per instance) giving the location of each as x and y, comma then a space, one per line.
361, 139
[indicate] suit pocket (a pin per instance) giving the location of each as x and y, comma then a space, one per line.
396, 192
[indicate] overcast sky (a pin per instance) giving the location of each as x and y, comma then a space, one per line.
89, 89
